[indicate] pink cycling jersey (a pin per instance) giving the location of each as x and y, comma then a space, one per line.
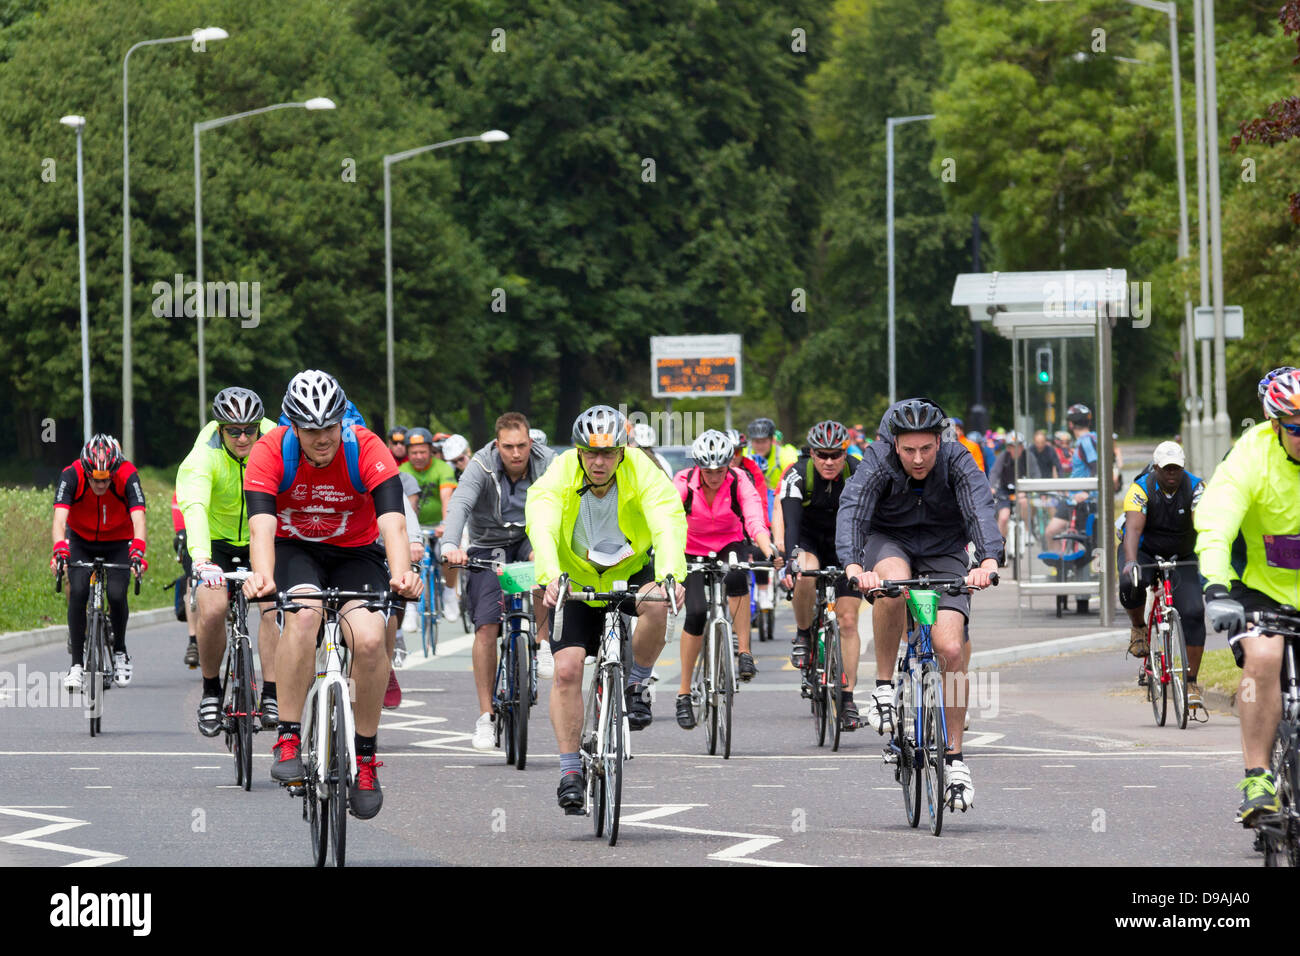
714, 525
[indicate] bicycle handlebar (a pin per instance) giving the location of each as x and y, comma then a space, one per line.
334, 598
950, 585
587, 594
106, 565
1161, 565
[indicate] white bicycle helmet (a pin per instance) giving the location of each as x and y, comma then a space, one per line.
314, 399
454, 447
1283, 395
537, 435
712, 449
643, 435
237, 406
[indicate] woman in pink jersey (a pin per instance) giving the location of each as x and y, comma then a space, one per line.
722, 509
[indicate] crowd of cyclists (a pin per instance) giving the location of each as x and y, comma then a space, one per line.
317, 500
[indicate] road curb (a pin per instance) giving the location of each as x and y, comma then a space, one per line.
58, 633
1053, 648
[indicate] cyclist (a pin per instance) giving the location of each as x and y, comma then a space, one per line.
1256, 491
1083, 464
810, 498
595, 514
537, 435
210, 491
437, 480
971, 446
490, 500
643, 436
772, 459
183, 582
98, 513
1159, 512
1009, 467
456, 452
1043, 462
910, 508
397, 443
723, 509
318, 496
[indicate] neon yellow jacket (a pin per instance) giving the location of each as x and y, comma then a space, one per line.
1255, 490
649, 512
210, 493
778, 460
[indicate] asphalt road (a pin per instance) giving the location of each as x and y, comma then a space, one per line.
1067, 763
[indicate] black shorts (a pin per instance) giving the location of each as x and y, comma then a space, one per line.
584, 623
231, 557
1251, 600
735, 584
880, 546
330, 566
483, 594
823, 549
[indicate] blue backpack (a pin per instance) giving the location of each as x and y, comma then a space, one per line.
291, 450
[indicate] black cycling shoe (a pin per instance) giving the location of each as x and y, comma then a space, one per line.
270, 713
570, 793
747, 668
799, 653
192, 655
365, 798
639, 716
685, 712
210, 716
850, 719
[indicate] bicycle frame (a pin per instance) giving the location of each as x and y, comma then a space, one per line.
916, 658
330, 666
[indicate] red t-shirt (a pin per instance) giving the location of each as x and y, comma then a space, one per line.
321, 504
105, 517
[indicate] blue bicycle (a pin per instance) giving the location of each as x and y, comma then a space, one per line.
429, 606
920, 736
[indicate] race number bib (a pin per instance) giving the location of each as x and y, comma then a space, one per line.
1282, 551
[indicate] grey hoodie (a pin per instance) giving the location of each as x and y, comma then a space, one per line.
477, 498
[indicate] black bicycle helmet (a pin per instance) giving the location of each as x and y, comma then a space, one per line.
237, 406
761, 428
916, 415
828, 435
1078, 414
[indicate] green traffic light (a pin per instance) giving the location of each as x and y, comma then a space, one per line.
1043, 377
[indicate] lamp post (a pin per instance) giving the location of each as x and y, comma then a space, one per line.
78, 123
491, 136
316, 103
128, 414
890, 123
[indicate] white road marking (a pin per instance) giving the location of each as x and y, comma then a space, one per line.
739, 853
99, 787
29, 838
1058, 766
83, 768
458, 766
769, 786
1139, 786
1017, 788
884, 788
981, 740
207, 768
1175, 766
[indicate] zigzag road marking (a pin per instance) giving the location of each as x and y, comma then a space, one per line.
29, 838
740, 853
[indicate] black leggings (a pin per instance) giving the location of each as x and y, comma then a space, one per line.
735, 584
115, 552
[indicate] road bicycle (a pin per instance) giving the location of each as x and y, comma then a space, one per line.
605, 741
764, 618
329, 757
240, 716
919, 738
823, 680
1165, 666
97, 656
1278, 834
428, 609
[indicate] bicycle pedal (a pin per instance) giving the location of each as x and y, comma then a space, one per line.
574, 812
296, 789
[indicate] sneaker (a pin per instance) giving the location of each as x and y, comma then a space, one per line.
1194, 695
121, 668
545, 660
210, 716
747, 668
484, 736
880, 712
399, 657
799, 652
191, 655
960, 792
450, 605
764, 599
270, 713
76, 677
571, 792
1137, 641
685, 712
850, 718
1261, 796
364, 797
392, 696
639, 715
288, 764
965, 724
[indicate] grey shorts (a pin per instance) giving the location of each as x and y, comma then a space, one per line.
483, 590
880, 546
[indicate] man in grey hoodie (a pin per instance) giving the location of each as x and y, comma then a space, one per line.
490, 496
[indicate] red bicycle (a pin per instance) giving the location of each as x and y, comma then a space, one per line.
1165, 666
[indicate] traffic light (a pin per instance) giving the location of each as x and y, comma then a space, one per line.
1045, 365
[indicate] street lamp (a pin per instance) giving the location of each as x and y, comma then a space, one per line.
890, 123
316, 103
78, 123
491, 136
201, 36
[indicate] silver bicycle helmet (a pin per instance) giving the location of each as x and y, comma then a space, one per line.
712, 449
600, 427
643, 435
737, 439
828, 435
762, 428
237, 406
537, 435
314, 399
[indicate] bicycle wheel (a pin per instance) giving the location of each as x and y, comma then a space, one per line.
92, 682
595, 770
834, 684
522, 700
715, 647
338, 776
765, 624
503, 701
615, 749
726, 682
246, 703
908, 775
818, 653
932, 747
699, 682
1178, 668
1282, 839
316, 805
464, 604
1157, 687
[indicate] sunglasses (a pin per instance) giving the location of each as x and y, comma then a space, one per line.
234, 431
1293, 430
605, 454
829, 455
98, 475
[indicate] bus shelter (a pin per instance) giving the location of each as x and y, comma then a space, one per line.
1059, 325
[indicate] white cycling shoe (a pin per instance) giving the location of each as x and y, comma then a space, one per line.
959, 793
545, 661
484, 737
122, 668
450, 604
880, 711
76, 677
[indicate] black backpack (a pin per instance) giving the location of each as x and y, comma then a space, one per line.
735, 498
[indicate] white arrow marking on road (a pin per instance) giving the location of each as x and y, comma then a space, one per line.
981, 740
57, 825
739, 853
